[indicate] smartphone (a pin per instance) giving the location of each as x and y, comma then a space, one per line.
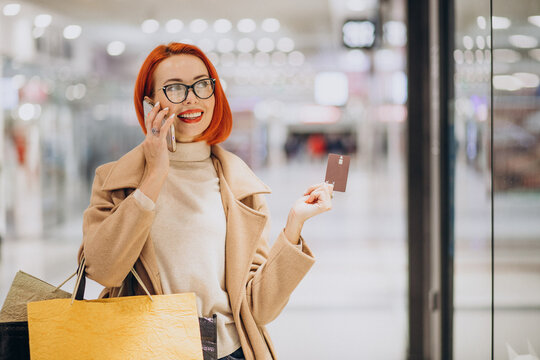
171, 140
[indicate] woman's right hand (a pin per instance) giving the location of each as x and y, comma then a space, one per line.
155, 145
156, 152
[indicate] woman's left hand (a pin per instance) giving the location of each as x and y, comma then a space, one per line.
317, 199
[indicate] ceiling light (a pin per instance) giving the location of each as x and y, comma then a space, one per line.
222, 26
69, 93
265, 44
72, 31
198, 26
480, 42
481, 22
528, 80
150, 26
500, 22
296, 58
116, 48
506, 82
79, 90
246, 25
225, 45
174, 26
523, 41
27, 111
42, 20
285, 44
535, 20
12, 9
468, 42
270, 25
245, 45
358, 33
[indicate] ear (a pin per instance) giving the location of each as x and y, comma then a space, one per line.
150, 101
511, 353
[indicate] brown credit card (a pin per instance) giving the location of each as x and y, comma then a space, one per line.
337, 171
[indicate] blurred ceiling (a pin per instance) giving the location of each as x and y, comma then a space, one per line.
301, 15
310, 22
298, 15
314, 25
511, 20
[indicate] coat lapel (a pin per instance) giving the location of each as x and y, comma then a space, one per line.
244, 228
244, 224
127, 172
240, 178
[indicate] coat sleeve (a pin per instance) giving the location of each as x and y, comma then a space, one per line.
275, 272
114, 232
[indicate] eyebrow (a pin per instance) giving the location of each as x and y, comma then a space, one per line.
180, 80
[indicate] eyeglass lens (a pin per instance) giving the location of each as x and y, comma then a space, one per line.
177, 93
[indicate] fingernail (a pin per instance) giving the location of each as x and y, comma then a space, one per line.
172, 115
166, 108
157, 104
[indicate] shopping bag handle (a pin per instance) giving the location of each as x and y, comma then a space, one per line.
80, 285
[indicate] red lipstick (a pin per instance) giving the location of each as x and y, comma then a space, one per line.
191, 116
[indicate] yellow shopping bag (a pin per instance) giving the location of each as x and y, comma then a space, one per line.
134, 327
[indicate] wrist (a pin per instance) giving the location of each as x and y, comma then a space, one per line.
151, 185
294, 219
293, 228
157, 174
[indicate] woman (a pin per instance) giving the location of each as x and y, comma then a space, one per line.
195, 220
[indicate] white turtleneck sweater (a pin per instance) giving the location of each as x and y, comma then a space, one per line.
189, 232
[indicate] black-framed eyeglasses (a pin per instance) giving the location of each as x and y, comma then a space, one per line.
178, 92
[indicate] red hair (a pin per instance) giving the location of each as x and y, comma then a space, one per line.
221, 124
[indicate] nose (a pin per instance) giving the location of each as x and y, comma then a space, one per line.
191, 98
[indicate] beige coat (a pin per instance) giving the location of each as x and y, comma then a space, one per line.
259, 279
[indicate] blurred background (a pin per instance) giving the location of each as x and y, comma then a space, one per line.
304, 79
495, 140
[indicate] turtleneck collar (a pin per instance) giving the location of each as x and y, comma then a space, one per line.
192, 151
